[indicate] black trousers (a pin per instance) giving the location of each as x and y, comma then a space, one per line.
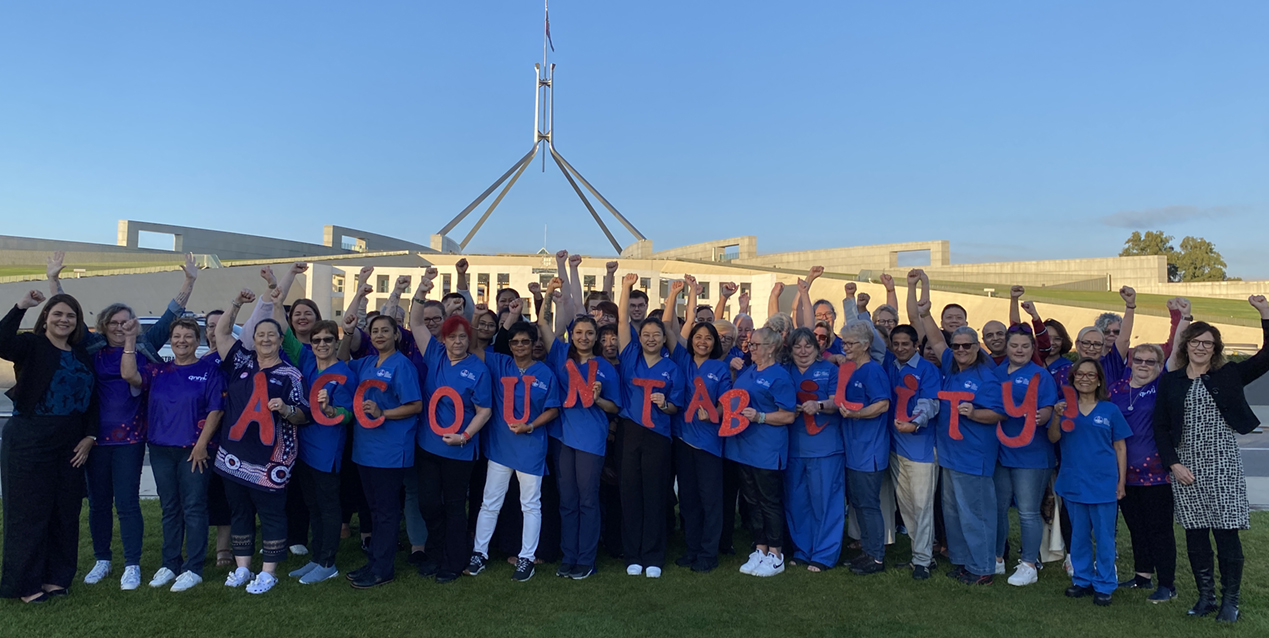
321, 496
1147, 511
443, 484
476, 493
645, 476
218, 510
42, 496
610, 492
731, 494
1199, 548
763, 490
247, 503
297, 516
383, 487
352, 497
700, 500
549, 549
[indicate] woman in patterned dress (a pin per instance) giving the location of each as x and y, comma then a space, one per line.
1195, 426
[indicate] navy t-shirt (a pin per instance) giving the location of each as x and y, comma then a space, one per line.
763, 445
258, 452
520, 452
180, 398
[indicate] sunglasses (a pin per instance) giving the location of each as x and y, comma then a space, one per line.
1145, 362
320, 340
962, 346
819, 337
521, 342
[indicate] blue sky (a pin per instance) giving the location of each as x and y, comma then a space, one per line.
1014, 129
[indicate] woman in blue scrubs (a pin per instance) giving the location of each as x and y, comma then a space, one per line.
867, 439
815, 482
460, 403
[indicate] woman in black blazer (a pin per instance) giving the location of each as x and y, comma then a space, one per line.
45, 446
1194, 429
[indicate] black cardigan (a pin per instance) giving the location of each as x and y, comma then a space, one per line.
1226, 387
35, 361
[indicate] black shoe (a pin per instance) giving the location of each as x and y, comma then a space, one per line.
957, 572
1231, 584
1078, 591
443, 577
684, 561
1162, 594
428, 568
920, 572
565, 570
869, 567
476, 564
972, 579
369, 580
416, 558
524, 570
726, 551
1101, 600
704, 565
582, 572
1205, 582
1136, 582
60, 591
358, 573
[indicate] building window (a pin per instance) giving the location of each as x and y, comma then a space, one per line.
545, 279
588, 282
665, 288
704, 289
645, 283
744, 289
445, 279
482, 278
381, 284
337, 283
504, 280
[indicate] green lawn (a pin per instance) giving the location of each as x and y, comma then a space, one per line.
7, 271
610, 603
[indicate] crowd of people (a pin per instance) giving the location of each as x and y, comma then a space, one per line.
612, 424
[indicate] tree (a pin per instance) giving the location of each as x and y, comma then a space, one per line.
1199, 261
1153, 242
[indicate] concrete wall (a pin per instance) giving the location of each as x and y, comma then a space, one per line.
747, 247
853, 259
1123, 271
368, 242
1216, 289
225, 245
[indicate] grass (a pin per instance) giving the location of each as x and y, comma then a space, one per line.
610, 603
8, 271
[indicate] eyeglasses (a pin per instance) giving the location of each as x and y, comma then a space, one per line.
116, 324
521, 342
485, 325
1114, 333
320, 340
1144, 362
820, 337
1085, 375
886, 322
433, 319
1202, 344
849, 344
1091, 344
962, 346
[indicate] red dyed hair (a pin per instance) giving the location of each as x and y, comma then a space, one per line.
455, 322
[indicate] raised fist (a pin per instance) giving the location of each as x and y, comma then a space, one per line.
461, 266
1016, 291
888, 282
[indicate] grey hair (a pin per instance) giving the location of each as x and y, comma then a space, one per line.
886, 308
1104, 320
113, 309
768, 335
861, 331
965, 330
780, 322
1158, 352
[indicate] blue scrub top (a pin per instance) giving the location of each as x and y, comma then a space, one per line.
867, 440
322, 446
520, 452
391, 443
818, 383
915, 446
635, 366
470, 379
1038, 453
1090, 469
584, 429
714, 373
975, 453
762, 445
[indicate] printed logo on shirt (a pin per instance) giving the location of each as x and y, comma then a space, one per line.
762, 382
467, 374
820, 374
202, 378
711, 376
384, 373
275, 381
541, 385
1022, 381
971, 386
1102, 421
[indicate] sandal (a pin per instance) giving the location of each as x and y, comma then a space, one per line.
224, 557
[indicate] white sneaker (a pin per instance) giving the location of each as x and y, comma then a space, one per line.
769, 566
1000, 567
754, 559
186, 580
131, 578
99, 571
652, 572
238, 577
1023, 575
1066, 564
162, 577
634, 570
299, 550
264, 582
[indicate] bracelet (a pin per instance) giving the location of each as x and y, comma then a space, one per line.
1131, 307
235, 303
417, 300
1188, 318
129, 351
762, 417
273, 286
466, 437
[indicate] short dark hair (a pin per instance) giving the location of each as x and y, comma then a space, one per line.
1057, 327
655, 321
522, 327
715, 352
303, 302
603, 330
189, 323
212, 313
81, 328
326, 325
498, 296
954, 306
451, 295
597, 294
638, 294
905, 329
608, 308
392, 321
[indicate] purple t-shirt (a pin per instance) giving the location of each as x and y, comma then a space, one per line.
180, 398
122, 406
1137, 406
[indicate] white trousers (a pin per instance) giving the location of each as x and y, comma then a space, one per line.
496, 483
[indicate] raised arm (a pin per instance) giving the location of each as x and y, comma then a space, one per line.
1123, 342
803, 315
561, 271
128, 362
693, 290
351, 317
1015, 294
623, 310
892, 298
535, 289
53, 270
288, 278
268, 306
670, 318
773, 301
933, 335
575, 287
225, 327
1258, 364
743, 301
610, 274
544, 325
1043, 343
394, 298
463, 287
914, 315
1183, 306
725, 291
157, 335
417, 326
12, 347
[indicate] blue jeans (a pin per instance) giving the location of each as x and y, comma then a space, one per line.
864, 491
1093, 525
114, 483
969, 517
1025, 486
183, 497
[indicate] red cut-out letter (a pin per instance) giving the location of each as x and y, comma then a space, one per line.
648, 386
509, 399
732, 413
1072, 408
359, 403
257, 411
954, 414
808, 392
1023, 438
318, 415
843, 377
905, 393
579, 388
700, 399
452, 395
